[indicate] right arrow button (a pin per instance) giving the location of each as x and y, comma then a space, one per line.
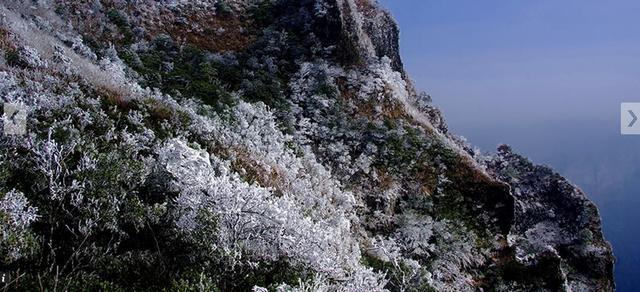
629, 124
633, 118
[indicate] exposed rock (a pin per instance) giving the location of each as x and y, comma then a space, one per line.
555, 223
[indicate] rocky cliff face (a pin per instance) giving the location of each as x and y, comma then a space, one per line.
265, 145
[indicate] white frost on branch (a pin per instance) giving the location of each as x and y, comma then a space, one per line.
15, 206
16, 215
253, 223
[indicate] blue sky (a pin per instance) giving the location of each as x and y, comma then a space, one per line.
546, 77
539, 59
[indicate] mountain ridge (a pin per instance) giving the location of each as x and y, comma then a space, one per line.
239, 145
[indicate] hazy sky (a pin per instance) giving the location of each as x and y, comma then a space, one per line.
546, 77
494, 62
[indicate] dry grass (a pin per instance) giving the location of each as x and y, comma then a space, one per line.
115, 98
243, 163
45, 43
366, 7
5, 40
221, 34
7, 48
160, 111
203, 29
385, 180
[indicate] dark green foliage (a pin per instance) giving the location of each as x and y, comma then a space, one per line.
184, 71
80, 282
91, 42
468, 189
121, 21
194, 282
223, 8
264, 87
304, 30
393, 272
13, 59
193, 73
112, 200
405, 150
263, 13
118, 18
285, 37
268, 275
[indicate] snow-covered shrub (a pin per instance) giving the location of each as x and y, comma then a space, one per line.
414, 236
49, 158
251, 223
455, 255
26, 56
405, 274
255, 129
16, 216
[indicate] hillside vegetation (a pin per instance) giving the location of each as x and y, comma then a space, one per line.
265, 145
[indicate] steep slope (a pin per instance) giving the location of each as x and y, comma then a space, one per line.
238, 145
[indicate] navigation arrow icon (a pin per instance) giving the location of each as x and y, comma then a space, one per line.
633, 119
629, 113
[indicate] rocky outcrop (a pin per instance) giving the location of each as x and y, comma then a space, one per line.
371, 30
556, 228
